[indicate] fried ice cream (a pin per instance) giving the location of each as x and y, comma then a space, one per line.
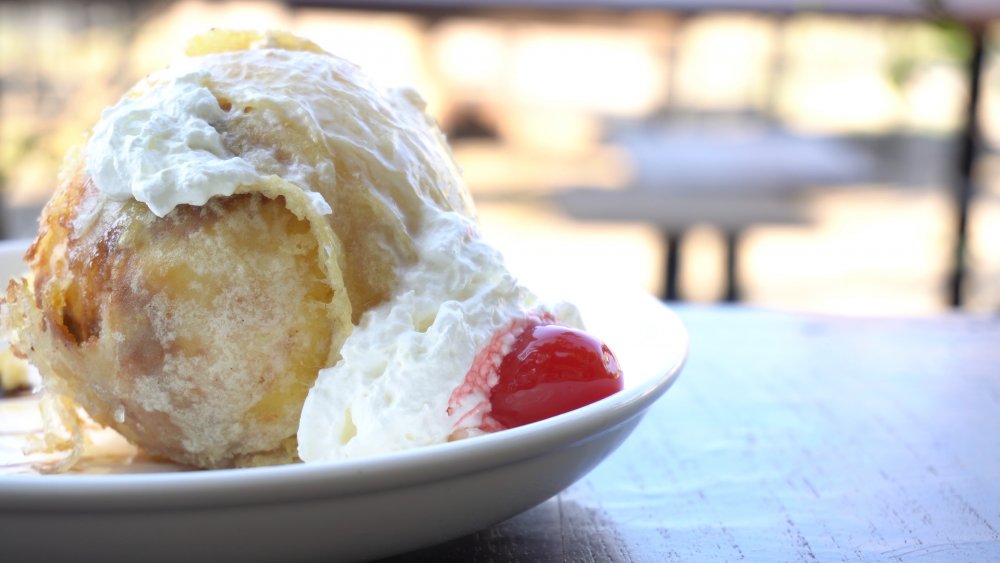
216, 239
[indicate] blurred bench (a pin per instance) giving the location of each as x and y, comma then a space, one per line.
730, 181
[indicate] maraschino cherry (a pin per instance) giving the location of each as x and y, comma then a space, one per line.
552, 369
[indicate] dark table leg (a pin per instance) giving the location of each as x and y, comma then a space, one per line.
732, 267
964, 187
672, 264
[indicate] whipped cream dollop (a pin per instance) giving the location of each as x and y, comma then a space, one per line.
160, 146
394, 387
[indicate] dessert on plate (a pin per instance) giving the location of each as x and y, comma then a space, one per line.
258, 257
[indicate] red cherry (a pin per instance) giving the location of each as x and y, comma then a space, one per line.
550, 370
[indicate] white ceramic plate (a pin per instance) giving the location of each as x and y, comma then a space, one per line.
340, 511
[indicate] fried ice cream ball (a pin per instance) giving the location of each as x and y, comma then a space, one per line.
195, 325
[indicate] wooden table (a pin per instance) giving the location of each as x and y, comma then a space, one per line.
791, 437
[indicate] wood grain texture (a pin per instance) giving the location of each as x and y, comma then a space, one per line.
791, 437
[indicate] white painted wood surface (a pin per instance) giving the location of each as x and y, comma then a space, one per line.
792, 437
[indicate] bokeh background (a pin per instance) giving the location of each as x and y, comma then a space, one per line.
809, 156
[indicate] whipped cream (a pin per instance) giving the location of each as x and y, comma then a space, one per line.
161, 146
400, 367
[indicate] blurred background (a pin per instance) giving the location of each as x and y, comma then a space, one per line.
809, 156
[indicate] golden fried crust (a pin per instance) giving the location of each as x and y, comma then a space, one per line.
197, 336
223, 40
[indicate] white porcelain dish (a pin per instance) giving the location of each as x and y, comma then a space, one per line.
342, 511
